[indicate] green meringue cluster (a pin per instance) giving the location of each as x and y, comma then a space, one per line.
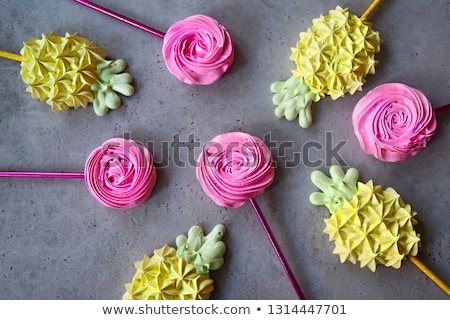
182, 273
368, 224
332, 58
71, 72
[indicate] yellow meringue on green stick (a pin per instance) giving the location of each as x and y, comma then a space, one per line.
332, 58
368, 224
71, 72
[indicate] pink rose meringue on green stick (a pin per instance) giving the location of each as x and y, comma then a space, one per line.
196, 50
119, 174
394, 121
234, 168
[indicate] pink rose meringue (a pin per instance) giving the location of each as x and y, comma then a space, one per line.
393, 122
234, 167
198, 50
120, 174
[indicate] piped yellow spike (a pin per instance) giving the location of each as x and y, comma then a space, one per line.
370, 9
11, 56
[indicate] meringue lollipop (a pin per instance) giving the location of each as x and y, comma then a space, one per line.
332, 58
71, 72
196, 50
394, 121
182, 273
119, 174
368, 224
234, 168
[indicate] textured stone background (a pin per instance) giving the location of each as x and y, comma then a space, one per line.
57, 242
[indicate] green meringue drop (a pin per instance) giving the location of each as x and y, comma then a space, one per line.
293, 99
205, 252
110, 80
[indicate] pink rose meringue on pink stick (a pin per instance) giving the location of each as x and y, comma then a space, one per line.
196, 50
393, 122
120, 174
234, 168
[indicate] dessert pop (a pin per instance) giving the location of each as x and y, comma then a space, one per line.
368, 224
120, 174
394, 121
196, 50
71, 72
234, 168
332, 58
182, 273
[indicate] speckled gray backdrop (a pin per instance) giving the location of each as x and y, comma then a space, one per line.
57, 242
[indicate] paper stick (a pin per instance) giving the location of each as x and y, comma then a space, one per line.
122, 18
49, 175
369, 10
442, 108
277, 249
11, 56
430, 274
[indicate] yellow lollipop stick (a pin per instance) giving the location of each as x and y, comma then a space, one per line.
11, 56
430, 274
369, 10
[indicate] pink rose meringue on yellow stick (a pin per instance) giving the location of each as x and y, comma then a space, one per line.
394, 121
119, 174
196, 50
234, 168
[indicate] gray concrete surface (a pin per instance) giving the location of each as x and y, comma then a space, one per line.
57, 242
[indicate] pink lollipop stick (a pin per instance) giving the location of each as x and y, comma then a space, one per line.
442, 108
277, 249
49, 175
122, 18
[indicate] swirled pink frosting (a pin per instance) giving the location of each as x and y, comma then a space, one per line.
234, 167
120, 174
198, 50
393, 122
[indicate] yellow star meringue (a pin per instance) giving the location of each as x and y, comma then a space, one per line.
368, 224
